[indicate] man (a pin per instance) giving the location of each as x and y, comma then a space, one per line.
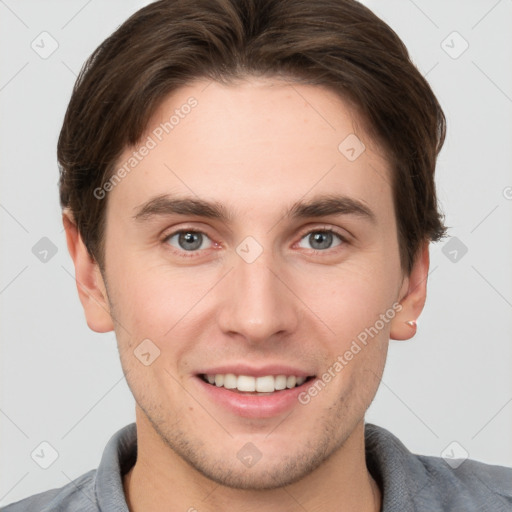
248, 194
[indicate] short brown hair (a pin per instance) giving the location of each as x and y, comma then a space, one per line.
338, 44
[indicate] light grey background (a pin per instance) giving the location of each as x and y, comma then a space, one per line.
63, 384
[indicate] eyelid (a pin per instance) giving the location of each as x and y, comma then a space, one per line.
329, 251
168, 233
303, 233
327, 228
309, 229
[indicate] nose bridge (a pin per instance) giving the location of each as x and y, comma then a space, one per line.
257, 304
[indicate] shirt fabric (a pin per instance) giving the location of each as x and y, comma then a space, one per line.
408, 482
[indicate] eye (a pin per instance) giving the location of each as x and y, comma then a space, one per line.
321, 239
188, 240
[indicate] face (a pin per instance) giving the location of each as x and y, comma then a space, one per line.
248, 247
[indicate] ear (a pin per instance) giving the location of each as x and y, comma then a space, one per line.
89, 281
413, 294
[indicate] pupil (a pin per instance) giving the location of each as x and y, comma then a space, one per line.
323, 240
190, 241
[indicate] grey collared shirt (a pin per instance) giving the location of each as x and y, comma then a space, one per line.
408, 482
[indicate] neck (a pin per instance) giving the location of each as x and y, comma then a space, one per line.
162, 480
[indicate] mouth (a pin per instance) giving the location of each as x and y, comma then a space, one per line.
257, 386
256, 392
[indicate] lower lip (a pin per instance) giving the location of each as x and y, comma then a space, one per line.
254, 406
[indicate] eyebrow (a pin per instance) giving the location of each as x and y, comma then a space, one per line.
317, 207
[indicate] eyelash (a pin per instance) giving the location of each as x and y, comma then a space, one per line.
195, 254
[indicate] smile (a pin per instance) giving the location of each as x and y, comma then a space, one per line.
251, 391
254, 385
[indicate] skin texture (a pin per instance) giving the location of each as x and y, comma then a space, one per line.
256, 147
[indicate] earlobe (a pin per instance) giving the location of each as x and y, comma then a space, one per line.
413, 296
89, 281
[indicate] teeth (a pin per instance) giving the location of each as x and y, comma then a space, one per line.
246, 383
291, 381
230, 381
280, 382
265, 384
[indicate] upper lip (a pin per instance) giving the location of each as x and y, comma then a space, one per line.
260, 371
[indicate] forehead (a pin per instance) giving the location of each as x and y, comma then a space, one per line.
257, 143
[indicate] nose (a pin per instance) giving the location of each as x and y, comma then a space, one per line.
258, 304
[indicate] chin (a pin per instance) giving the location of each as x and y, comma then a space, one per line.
269, 469
266, 477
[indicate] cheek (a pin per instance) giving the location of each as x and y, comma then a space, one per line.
164, 305
351, 297
153, 297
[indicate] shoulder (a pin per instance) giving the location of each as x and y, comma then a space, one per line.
472, 483
428, 483
77, 495
98, 489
